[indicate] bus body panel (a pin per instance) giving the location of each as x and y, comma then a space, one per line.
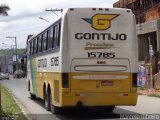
99, 57
99, 62
98, 99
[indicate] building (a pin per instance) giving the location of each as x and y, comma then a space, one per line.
147, 14
144, 10
4, 60
8, 61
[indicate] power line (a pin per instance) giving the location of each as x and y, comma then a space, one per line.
54, 11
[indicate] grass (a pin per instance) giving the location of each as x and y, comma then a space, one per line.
9, 107
154, 95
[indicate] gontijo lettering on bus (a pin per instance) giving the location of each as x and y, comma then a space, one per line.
101, 22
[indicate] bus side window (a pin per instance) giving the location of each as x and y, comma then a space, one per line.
53, 37
29, 48
32, 47
36, 46
56, 35
50, 38
44, 38
47, 40
39, 44
59, 33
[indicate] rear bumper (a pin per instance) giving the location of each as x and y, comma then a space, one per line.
98, 99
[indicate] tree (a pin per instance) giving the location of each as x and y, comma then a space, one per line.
4, 9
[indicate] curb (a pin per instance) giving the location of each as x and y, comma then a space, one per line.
22, 107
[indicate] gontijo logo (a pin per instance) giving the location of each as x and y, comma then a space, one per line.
101, 21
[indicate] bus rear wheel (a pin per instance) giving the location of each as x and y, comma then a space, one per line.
108, 108
47, 101
56, 110
32, 96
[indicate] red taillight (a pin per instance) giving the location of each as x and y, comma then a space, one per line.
77, 94
125, 94
93, 8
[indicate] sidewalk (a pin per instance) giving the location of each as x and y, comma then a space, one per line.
150, 92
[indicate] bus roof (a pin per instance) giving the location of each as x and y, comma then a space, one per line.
67, 10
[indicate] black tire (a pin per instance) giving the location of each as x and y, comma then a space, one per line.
56, 110
47, 101
102, 110
32, 96
108, 109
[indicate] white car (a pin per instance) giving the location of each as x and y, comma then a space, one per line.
4, 76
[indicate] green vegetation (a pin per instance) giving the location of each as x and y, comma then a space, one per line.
11, 51
3, 10
9, 108
154, 95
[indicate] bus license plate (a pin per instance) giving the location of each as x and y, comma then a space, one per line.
107, 83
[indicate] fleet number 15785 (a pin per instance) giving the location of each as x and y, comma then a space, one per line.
101, 55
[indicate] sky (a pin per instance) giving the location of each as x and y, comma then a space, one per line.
24, 16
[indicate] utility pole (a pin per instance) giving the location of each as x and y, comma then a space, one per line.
15, 40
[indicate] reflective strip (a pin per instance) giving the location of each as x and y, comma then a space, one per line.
100, 77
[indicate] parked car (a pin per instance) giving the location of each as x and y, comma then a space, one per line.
4, 76
19, 74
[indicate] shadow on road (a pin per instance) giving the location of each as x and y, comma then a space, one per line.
85, 114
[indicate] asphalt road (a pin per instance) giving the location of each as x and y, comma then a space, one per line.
36, 111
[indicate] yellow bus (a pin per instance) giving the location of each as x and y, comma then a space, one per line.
87, 58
